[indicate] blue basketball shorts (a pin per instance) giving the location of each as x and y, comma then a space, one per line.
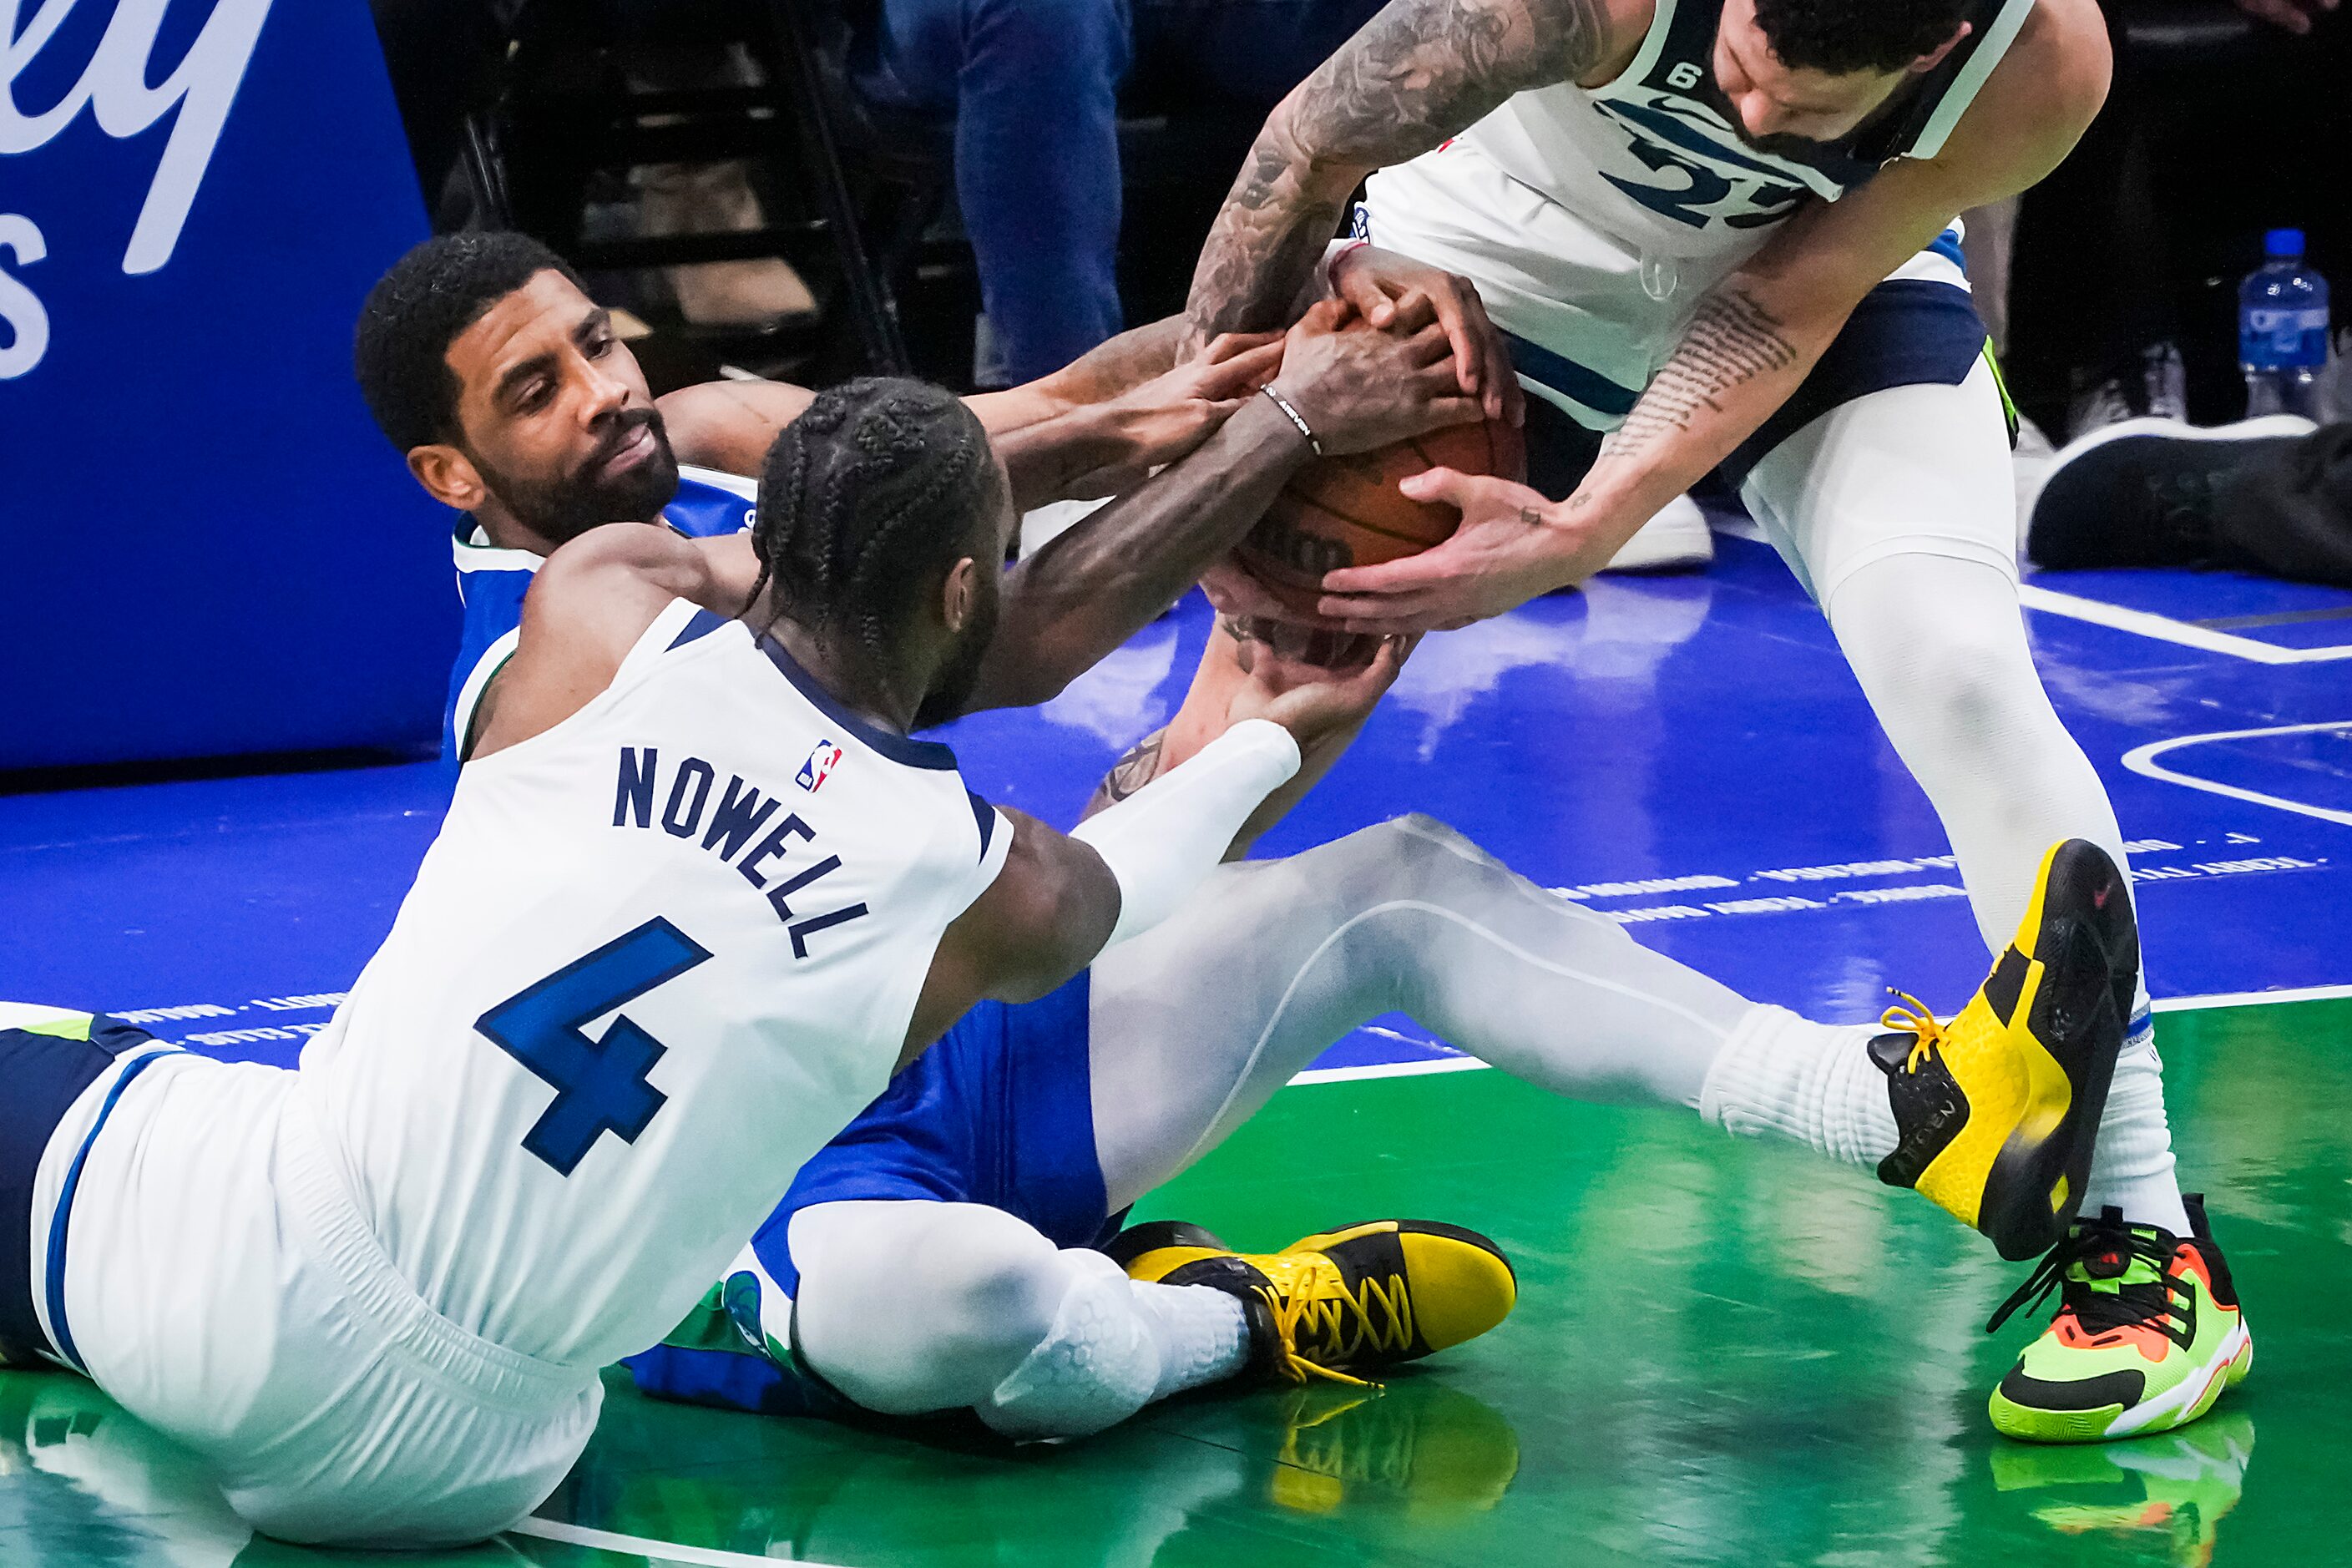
999, 1112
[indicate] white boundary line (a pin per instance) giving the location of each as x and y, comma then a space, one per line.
2141, 760
1421, 1068
640, 1546
2163, 629
2251, 998
2142, 623
2162, 1004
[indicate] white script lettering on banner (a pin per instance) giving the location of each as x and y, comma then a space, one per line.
20, 309
114, 88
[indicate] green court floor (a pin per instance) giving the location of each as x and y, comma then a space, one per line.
1724, 1354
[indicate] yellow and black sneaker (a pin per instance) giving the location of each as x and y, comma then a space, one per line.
1996, 1110
1363, 1297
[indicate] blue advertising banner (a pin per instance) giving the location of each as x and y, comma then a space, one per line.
205, 547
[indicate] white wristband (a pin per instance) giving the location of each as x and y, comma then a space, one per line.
1296, 418
1163, 839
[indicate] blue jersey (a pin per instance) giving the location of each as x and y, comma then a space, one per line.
491, 583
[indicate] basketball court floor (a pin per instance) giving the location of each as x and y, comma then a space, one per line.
1724, 1354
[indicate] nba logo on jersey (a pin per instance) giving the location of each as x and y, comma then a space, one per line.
819, 766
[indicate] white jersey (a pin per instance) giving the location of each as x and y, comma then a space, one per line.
657, 956
1593, 219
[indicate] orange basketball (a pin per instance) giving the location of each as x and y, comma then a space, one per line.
1347, 511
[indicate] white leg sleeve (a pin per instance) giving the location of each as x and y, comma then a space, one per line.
1161, 841
1898, 509
1196, 1024
910, 1307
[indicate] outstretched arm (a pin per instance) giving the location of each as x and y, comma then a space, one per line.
1096, 427
1753, 339
1061, 899
1108, 370
1236, 661
1122, 409
1419, 71
1105, 580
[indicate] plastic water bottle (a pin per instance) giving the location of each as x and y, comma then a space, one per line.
2283, 330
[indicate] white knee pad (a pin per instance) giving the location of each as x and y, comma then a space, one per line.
1098, 1365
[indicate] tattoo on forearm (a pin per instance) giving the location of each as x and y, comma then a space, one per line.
1419, 71
1129, 774
1732, 341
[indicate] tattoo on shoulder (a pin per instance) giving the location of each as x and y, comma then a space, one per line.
1423, 70
1129, 774
1418, 72
1731, 340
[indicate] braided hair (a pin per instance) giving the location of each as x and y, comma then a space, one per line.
866, 500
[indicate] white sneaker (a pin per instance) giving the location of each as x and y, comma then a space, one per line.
1676, 540
2262, 427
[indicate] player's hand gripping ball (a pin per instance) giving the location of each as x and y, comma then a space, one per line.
1347, 511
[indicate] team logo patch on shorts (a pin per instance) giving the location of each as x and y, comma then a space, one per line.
819, 766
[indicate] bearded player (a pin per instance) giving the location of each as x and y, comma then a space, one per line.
1720, 234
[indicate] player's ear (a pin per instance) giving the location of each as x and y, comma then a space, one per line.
449, 476
959, 593
1928, 62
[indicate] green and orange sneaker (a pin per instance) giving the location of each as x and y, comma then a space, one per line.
2147, 1337
1359, 1298
1996, 1111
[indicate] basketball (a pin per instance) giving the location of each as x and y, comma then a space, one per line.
1347, 511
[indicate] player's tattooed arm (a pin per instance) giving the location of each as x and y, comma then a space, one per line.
1237, 658
1138, 767
1733, 340
1419, 71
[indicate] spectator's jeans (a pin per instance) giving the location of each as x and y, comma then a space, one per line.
1033, 87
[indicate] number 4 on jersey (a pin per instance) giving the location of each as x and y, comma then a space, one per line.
599, 1081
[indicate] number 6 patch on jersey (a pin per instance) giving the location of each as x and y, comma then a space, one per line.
599, 1081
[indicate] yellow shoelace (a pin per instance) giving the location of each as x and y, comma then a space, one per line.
1322, 1305
1920, 1021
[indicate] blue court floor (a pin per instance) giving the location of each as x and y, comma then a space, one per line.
1688, 754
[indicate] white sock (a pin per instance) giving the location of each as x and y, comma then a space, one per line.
2131, 1164
1203, 1333
1781, 1074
